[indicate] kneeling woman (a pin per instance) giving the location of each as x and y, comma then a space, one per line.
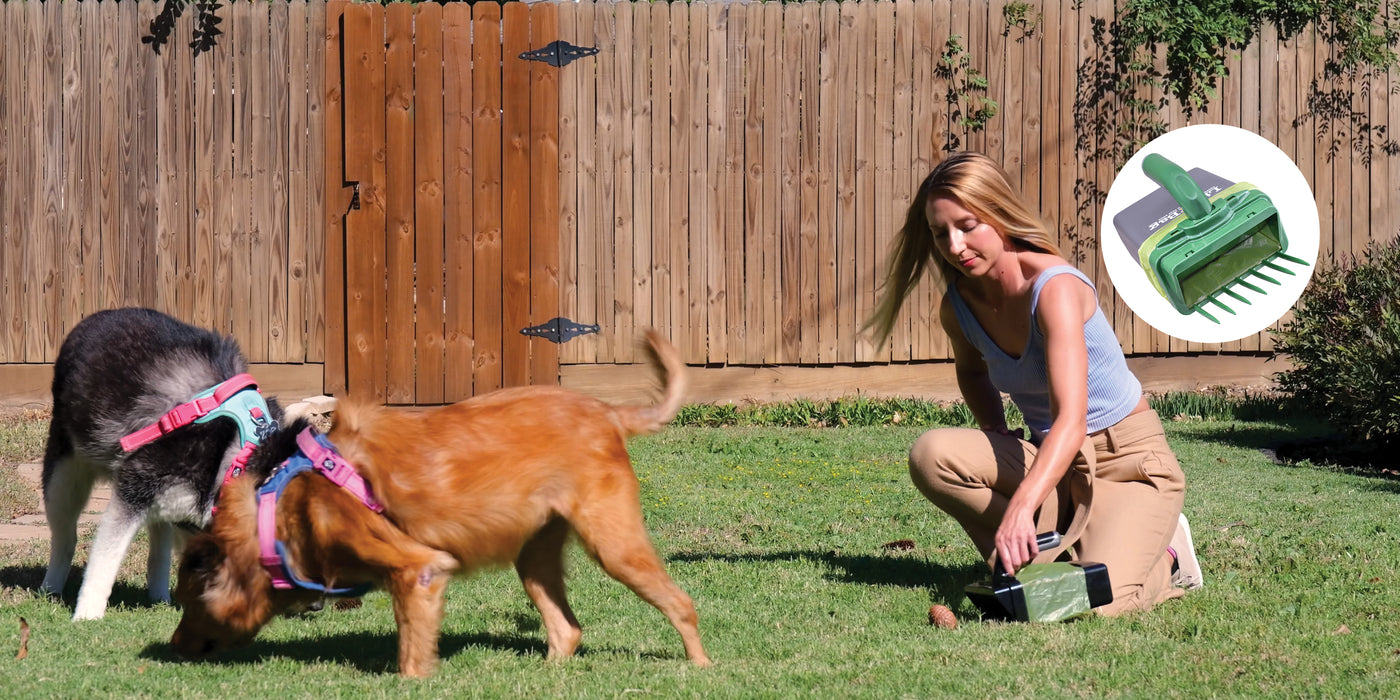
1021, 320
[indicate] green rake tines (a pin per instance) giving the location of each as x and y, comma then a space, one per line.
1218, 242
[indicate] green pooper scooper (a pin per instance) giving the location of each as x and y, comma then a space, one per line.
1218, 241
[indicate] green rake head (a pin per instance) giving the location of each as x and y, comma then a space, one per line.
1219, 242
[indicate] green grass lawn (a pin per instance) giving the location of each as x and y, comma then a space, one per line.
777, 534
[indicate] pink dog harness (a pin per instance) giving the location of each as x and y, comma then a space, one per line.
235, 398
314, 452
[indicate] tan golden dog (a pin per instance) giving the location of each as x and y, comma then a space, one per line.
502, 477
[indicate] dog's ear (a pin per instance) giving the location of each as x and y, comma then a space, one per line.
202, 556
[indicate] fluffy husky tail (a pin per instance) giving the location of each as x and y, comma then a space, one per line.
639, 420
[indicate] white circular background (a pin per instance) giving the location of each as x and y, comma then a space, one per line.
1238, 156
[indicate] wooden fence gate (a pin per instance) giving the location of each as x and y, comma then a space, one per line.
442, 199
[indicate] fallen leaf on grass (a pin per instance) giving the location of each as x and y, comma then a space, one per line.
899, 544
1342, 630
1237, 523
23, 639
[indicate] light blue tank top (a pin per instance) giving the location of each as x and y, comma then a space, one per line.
1113, 390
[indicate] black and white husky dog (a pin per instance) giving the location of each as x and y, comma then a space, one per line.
124, 411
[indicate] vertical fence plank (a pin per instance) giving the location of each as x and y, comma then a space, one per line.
20, 158
828, 98
74, 172
753, 72
934, 339
732, 183
607, 132
806, 24
516, 196
89, 129
458, 214
624, 214
221, 211
1319, 139
167, 199
638, 250
544, 188
44, 322
8, 163
131, 254
275, 188
716, 135
184, 180
31, 171
315, 300
699, 214
487, 168
684, 294
1392, 115
902, 155
767, 235
658, 230
1023, 120
428, 162
844, 134
299, 220
788, 278
259, 173
590, 220
399, 136
868, 123
364, 228
569, 180
241, 175
337, 197
988, 46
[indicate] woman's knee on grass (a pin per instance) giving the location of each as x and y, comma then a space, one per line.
939, 459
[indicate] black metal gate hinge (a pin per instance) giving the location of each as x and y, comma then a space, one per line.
559, 330
559, 53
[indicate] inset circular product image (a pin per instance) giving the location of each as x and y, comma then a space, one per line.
1210, 233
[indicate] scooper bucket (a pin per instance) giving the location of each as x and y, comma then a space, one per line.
1216, 242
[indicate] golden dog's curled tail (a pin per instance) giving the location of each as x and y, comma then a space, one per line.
636, 420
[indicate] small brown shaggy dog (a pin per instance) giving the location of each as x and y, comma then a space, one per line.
502, 477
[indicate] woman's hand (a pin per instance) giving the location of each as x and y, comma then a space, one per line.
1015, 539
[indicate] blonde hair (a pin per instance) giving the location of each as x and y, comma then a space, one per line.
979, 185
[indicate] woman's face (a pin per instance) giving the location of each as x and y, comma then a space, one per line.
964, 240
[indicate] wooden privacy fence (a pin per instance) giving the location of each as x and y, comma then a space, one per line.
449, 139
192, 184
734, 172
393, 192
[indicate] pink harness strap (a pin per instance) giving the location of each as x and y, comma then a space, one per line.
315, 454
337, 469
187, 413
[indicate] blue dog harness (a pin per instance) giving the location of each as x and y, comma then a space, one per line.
236, 398
314, 453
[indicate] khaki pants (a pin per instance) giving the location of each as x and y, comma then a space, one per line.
1127, 512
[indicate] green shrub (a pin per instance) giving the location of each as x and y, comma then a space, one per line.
1344, 343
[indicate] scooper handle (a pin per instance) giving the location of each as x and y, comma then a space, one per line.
1182, 188
1043, 541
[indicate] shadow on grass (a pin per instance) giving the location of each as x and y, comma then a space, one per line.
376, 652
30, 577
943, 582
1303, 444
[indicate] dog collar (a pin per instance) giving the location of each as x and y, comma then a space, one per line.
314, 453
236, 398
